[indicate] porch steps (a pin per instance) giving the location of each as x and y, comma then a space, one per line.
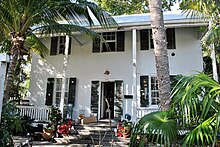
100, 133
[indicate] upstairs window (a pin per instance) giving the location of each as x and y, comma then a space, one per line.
146, 42
114, 42
58, 45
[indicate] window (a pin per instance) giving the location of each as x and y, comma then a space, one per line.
54, 90
154, 91
146, 42
58, 89
149, 92
114, 42
58, 45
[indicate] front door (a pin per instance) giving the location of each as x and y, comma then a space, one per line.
107, 100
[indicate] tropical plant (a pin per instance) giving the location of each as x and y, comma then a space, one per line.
158, 127
10, 123
120, 7
192, 119
209, 10
54, 116
19, 19
160, 53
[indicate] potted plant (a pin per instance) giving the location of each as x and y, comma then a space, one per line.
127, 126
54, 116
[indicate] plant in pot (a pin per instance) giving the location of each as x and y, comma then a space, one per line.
127, 127
54, 116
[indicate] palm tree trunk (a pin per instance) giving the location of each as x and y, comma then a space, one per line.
160, 51
17, 41
10, 78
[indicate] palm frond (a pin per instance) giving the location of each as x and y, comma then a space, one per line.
202, 134
204, 8
158, 127
212, 36
35, 44
196, 99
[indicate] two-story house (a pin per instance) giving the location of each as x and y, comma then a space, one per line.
123, 72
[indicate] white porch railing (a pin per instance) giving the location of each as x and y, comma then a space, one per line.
143, 111
36, 113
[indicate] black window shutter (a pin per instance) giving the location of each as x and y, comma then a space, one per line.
96, 45
144, 91
118, 102
49, 92
72, 91
94, 97
171, 41
53, 47
70, 43
144, 35
120, 41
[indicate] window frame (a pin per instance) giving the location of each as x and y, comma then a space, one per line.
66, 91
149, 90
58, 45
99, 46
61, 44
57, 91
107, 40
170, 36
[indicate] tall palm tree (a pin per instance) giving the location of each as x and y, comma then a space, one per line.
160, 51
19, 19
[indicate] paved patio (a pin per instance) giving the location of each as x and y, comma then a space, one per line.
87, 135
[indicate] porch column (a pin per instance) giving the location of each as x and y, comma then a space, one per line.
134, 74
65, 61
3, 66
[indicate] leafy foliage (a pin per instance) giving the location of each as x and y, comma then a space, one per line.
194, 115
23, 21
157, 126
206, 9
10, 123
23, 18
196, 103
120, 7
54, 116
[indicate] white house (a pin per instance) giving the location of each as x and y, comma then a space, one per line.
123, 73
4, 59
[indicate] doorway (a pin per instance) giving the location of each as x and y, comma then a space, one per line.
107, 94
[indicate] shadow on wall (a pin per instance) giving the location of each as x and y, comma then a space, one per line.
40, 71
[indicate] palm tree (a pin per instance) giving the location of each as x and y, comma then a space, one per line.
208, 9
19, 19
192, 119
160, 51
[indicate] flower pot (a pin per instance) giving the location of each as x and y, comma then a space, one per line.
47, 134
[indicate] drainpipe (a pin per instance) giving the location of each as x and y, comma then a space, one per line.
4, 59
134, 74
65, 61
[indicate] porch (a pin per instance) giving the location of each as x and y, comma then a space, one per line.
36, 113
42, 113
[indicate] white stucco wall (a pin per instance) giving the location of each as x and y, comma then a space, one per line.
87, 66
